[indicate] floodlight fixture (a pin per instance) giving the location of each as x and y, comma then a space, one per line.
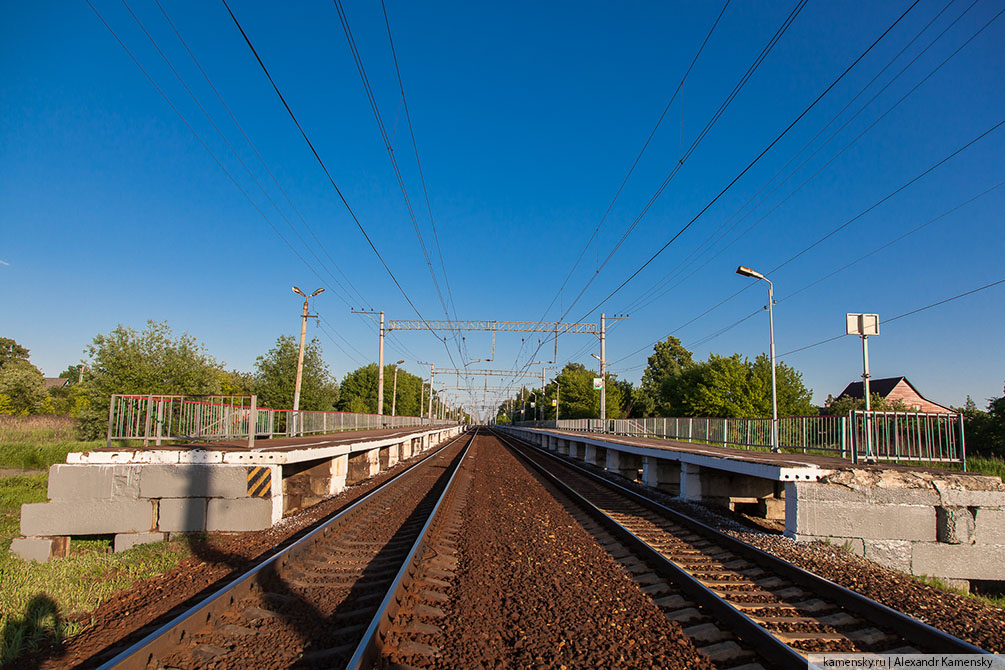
299, 292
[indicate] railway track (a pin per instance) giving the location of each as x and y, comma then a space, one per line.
315, 603
742, 607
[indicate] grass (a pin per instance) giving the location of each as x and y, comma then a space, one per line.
987, 465
36, 442
995, 600
43, 603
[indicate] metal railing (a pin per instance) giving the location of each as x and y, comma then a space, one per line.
159, 418
895, 436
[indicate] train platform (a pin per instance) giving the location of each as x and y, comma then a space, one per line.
922, 520
143, 494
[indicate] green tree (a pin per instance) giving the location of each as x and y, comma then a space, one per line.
23, 387
276, 375
11, 351
359, 392
731, 386
151, 361
669, 359
985, 430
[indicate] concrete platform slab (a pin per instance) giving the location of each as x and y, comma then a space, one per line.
238, 515
83, 517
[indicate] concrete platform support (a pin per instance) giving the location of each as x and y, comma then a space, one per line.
339, 470
562, 447
661, 474
305, 484
384, 458
907, 521
590, 454
725, 489
362, 465
623, 463
690, 482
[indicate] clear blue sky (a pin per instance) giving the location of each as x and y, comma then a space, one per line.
527, 117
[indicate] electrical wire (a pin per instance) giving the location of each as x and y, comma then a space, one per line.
753, 162
261, 160
653, 293
331, 179
902, 316
203, 144
638, 157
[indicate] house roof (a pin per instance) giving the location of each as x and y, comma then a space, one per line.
881, 386
55, 382
884, 387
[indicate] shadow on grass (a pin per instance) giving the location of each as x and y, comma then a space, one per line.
39, 627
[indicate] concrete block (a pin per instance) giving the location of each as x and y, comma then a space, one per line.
193, 481
908, 496
989, 526
184, 515
126, 541
88, 517
828, 493
894, 554
881, 522
957, 497
40, 549
238, 515
954, 525
93, 482
959, 561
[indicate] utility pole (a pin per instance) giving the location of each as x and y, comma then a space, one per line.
558, 392
603, 366
432, 371
300, 358
380, 368
394, 393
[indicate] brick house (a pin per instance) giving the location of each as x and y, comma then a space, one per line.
896, 388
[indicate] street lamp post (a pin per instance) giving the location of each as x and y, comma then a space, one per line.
753, 274
300, 359
394, 393
558, 394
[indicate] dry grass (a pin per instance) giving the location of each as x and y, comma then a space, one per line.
36, 442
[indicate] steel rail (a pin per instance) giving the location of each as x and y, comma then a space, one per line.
368, 650
770, 648
165, 639
911, 629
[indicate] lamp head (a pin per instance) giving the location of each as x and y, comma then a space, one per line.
400, 362
595, 356
318, 292
747, 272
298, 291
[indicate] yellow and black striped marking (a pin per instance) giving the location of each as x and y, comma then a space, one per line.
259, 482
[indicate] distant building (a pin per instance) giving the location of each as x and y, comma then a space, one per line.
896, 388
55, 382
